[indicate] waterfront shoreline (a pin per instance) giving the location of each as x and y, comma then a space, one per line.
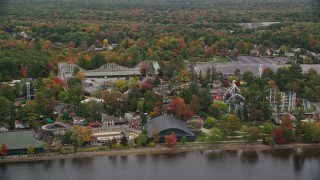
159, 150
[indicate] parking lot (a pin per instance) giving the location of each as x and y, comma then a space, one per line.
249, 63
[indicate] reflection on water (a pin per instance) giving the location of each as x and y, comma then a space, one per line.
291, 164
250, 157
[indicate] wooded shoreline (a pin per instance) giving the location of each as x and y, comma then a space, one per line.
158, 150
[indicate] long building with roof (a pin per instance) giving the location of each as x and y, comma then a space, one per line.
165, 125
17, 142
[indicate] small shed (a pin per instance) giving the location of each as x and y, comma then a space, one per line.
17, 142
165, 125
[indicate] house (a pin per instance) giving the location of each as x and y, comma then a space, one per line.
19, 125
3, 129
165, 125
112, 120
134, 120
254, 53
17, 142
95, 124
289, 54
78, 121
269, 51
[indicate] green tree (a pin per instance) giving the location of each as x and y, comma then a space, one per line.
205, 98
186, 94
248, 77
6, 110
133, 98
217, 109
42, 104
8, 92
28, 114
141, 139
210, 122
149, 101
75, 94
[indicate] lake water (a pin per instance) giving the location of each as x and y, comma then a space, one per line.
213, 165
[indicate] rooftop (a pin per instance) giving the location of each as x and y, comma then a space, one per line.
163, 122
19, 139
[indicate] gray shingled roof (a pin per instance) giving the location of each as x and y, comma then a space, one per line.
19, 140
162, 123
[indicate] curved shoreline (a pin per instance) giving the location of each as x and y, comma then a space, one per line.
160, 150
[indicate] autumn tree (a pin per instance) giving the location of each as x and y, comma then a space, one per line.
120, 85
187, 113
229, 124
177, 106
157, 110
195, 104
80, 135
278, 136
170, 140
4, 150
267, 73
155, 136
253, 134
116, 102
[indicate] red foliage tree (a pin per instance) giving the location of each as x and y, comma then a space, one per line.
170, 140
187, 113
145, 86
61, 82
278, 136
177, 106
4, 150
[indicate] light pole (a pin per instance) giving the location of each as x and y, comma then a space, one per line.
28, 91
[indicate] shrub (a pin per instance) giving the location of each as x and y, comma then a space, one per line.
170, 140
124, 141
183, 139
210, 122
277, 136
141, 140
254, 134
267, 128
215, 135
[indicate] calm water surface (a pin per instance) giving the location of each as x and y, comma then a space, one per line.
213, 165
